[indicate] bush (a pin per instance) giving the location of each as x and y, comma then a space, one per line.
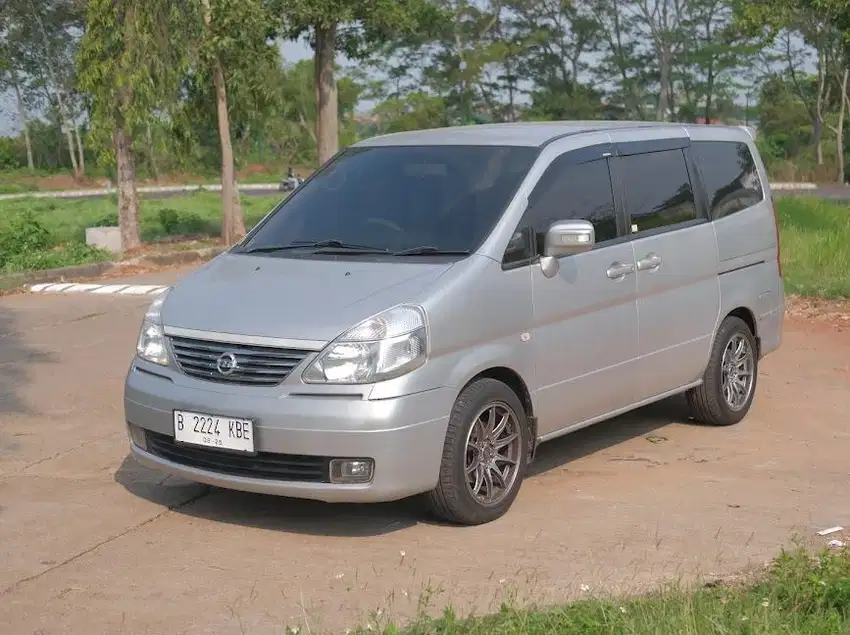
168, 219
24, 234
26, 244
176, 222
110, 219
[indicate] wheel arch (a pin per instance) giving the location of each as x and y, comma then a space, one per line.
513, 380
748, 317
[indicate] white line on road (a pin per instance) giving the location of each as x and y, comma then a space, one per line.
100, 289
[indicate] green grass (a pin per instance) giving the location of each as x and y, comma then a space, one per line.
799, 595
815, 239
67, 219
48, 233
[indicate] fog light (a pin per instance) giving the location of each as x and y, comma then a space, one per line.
137, 436
351, 471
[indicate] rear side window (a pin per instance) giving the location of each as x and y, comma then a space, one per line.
570, 191
658, 190
729, 174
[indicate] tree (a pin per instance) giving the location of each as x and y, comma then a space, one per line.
11, 70
36, 55
624, 62
130, 61
48, 47
820, 27
556, 39
354, 27
713, 54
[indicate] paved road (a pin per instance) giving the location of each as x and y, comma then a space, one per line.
833, 193
91, 542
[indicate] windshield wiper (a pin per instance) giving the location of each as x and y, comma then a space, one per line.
321, 244
428, 250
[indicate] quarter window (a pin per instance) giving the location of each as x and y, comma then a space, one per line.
657, 189
729, 174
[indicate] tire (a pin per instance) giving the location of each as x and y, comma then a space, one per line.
453, 499
708, 402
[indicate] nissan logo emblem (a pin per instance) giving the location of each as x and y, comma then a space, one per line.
227, 364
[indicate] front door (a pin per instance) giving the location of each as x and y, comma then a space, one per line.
585, 317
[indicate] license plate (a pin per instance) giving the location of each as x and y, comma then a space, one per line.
211, 431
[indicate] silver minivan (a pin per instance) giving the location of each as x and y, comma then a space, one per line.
430, 306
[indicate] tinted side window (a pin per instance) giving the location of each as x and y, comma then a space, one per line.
658, 190
729, 173
570, 191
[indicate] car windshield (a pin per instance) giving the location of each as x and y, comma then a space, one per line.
423, 200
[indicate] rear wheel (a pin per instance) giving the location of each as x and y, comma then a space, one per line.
484, 455
729, 382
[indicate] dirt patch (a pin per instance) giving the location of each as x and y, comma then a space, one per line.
170, 245
819, 312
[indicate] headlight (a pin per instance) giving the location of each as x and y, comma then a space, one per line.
385, 346
151, 344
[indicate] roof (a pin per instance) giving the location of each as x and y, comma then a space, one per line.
529, 134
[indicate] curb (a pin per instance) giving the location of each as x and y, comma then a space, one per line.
41, 279
793, 186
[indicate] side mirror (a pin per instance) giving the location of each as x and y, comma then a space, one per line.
565, 238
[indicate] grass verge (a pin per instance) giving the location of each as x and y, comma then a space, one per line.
43, 233
798, 594
815, 238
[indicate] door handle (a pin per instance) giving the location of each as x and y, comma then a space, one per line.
619, 270
652, 262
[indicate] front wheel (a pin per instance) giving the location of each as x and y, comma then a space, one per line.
729, 383
484, 455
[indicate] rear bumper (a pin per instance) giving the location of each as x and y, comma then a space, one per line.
404, 436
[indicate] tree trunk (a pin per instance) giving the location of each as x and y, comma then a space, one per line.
232, 222
69, 136
664, 69
128, 198
152, 153
82, 157
22, 113
839, 133
817, 138
327, 99
72, 150
817, 130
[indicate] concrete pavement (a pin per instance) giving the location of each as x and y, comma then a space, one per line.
91, 542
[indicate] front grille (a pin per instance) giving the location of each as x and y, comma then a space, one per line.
255, 365
278, 467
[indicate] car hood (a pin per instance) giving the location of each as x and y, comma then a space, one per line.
292, 298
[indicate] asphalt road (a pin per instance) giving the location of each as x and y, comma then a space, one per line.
91, 542
833, 193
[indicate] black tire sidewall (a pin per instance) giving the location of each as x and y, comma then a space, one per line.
462, 417
730, 327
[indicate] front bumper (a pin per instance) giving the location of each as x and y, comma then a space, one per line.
404, 436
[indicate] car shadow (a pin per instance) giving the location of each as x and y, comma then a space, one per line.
17, 358
274, 513
358, 520
605, 434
